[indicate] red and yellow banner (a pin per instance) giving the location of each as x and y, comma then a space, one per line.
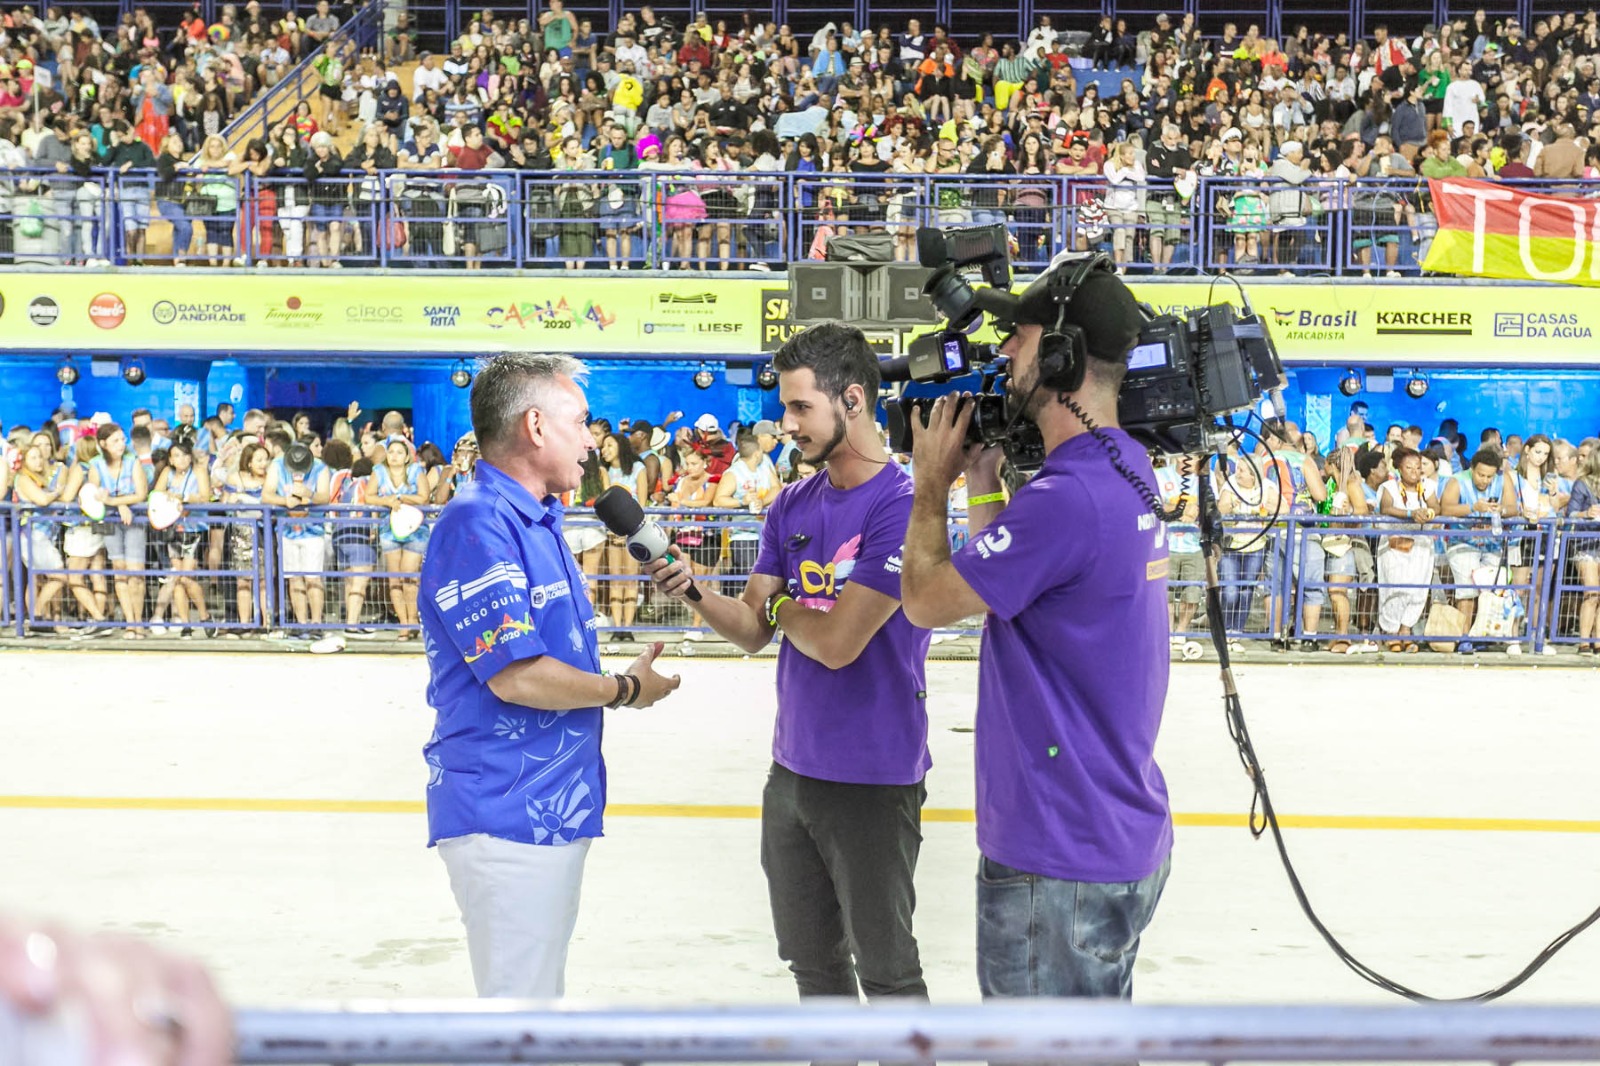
1497, 231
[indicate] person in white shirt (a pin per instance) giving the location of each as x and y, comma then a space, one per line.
1125, 174
1463, 100
630, 51
913, 45
428, 76
1041, 40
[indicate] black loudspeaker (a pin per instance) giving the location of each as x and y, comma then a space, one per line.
894, 296
861, 248
821, 292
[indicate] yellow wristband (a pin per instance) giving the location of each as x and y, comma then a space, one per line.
772, 608
992, 497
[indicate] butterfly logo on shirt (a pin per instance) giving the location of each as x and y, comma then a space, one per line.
819, 583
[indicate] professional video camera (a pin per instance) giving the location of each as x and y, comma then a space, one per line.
1185, 375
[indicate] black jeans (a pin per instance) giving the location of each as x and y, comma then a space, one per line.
839, 861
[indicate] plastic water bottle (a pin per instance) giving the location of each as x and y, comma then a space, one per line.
1496, 523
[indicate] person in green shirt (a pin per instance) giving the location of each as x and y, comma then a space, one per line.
1435, 80
1010, 74
1437, 162
619, 202
559, 27
329, 67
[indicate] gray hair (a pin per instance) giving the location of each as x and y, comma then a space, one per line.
511, 384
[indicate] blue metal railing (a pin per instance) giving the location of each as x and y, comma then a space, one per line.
1541, 579
712, 220
1277, 18
441, 21
594, 220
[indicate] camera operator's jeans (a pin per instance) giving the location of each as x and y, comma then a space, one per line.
1038, 936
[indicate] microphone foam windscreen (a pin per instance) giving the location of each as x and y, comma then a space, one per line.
620, 512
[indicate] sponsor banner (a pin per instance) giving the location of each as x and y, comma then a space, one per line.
1407, 323
447, 314
1495, 231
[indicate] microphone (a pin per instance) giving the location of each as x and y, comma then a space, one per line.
647, 541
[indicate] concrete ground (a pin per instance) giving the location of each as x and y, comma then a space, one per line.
264, 812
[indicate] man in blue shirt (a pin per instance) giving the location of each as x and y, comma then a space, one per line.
516, 782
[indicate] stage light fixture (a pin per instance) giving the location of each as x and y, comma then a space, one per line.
1350, 384
704, 378
767, 378
461, 376
66, 373
1417, 387
133, 372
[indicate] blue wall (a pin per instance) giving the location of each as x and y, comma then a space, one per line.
1560, 403
29, 391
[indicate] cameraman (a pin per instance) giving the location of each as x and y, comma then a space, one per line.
1073, 821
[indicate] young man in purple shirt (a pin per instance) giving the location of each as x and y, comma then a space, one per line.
841, 814
1073, 821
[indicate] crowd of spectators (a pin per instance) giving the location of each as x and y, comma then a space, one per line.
1290, 122
61, 71
1451, 502
142, 101
372, 473
347, 554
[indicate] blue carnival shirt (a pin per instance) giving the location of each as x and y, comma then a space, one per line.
298, 530
499, 585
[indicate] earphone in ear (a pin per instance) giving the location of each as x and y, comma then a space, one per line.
849, 405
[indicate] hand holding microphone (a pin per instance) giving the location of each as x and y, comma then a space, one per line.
647, 542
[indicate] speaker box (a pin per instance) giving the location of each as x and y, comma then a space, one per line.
819, 292
861, 248
894, 296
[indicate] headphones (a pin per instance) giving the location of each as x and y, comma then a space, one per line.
1064, 349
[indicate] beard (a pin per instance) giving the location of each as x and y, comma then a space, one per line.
1024, 398
834, 440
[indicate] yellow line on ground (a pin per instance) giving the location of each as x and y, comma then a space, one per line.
245, 804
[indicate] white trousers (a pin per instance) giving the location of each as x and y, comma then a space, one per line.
519, 903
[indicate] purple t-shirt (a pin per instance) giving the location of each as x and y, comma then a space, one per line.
1073, 671
866, 724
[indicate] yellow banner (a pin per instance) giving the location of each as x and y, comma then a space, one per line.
424, 313
451, 314
1409, 323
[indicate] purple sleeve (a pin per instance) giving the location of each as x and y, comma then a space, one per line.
478, 567
1040, 541
770, 559
882, 542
